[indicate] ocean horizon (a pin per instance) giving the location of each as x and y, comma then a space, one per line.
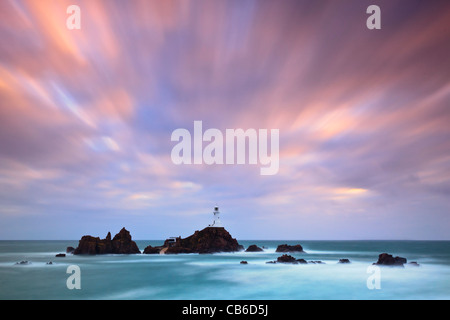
221, 276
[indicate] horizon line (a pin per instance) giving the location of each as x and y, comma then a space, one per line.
249, 239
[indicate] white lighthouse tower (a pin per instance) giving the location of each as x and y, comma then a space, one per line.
216, 223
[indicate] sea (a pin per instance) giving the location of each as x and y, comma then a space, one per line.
221, 276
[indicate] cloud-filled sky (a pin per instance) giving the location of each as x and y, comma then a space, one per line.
86, 118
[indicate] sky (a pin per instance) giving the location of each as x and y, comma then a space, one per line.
86, 117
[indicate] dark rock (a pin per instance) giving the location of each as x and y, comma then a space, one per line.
120, 244
344, 261
70, 249
23, 262
243, 262
208, 240
91, 245
316, 262
254, 248
289, 248
151, 250
176, 250
414, 263
388, 260
60, 255
49, 262
285, 258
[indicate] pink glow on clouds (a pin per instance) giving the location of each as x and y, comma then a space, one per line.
86, 116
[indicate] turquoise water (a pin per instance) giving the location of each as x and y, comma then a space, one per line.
221, 276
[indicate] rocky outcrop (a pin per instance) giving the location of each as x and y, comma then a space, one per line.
60, 255
70, 249
208, 240
386, 259
289, 248
254, 248
120, 244
92, 245
285, 258
344, 261
152, 250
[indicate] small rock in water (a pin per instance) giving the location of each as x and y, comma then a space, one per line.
386, 259
285, 258
23, 262
289, 248
344, 261
254, 248
243, 262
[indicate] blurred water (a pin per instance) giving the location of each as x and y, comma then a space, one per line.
221, 276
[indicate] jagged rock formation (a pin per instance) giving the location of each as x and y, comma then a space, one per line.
120, 244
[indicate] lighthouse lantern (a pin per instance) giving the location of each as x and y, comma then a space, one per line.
216, 223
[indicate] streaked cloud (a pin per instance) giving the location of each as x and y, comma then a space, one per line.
86, 116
